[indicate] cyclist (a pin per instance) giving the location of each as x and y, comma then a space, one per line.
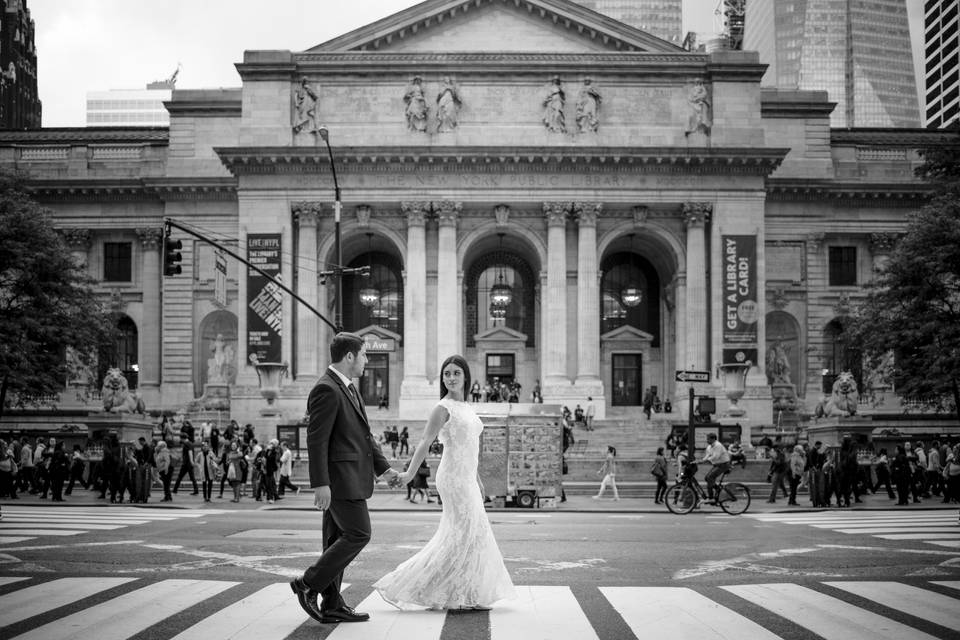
718, 456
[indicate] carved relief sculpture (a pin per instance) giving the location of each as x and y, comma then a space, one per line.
305, 108
701, 117
588, 108
448, 106
553, 105
416, 110
222, 365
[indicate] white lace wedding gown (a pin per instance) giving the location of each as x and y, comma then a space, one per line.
461, 565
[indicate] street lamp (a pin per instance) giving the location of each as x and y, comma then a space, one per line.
338, 268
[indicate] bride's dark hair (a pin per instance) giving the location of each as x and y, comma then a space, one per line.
462, 363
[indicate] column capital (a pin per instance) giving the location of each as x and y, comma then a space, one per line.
502, 213
587, 213
416, 212
815, 241
556, 213
306, 217
363, 211
78, 239
448, 211
641, 213
696, 214
301, 207
150, 237
883, 243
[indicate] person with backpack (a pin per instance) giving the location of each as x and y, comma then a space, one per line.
659, 471
778, 473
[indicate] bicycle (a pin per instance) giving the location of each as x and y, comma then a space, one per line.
687, 494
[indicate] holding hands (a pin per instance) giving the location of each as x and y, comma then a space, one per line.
393, 478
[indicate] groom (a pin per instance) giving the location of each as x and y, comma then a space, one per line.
344, 457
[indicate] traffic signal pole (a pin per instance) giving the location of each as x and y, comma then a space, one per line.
170, 222
691, 427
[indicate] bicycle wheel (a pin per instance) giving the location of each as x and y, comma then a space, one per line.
734, 498
680, 498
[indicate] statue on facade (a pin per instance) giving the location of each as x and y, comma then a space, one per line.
116, 394
588, 108
553, 105
416, 110
219, 366
701, 119
305, 108
448, 106
778, 364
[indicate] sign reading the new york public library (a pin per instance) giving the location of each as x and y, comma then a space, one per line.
264, 317
740, 308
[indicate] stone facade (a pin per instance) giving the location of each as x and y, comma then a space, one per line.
443, 211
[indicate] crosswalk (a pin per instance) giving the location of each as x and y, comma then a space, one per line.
20, 524
939, 527
116, 608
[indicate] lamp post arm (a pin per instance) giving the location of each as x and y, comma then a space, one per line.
173, 223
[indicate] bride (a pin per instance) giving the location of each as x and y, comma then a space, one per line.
461, 566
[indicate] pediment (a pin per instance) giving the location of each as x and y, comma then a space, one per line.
379, 332
500, 334
626, 333
500, 26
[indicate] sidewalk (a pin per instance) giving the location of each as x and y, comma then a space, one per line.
395, 500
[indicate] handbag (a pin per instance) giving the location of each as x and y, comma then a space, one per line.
423, 472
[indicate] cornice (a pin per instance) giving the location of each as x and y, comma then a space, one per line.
795, 104
85, 135
732, 160
201, 107
140, 189
861, 193
889, 137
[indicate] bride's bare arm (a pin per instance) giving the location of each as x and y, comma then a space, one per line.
436, 420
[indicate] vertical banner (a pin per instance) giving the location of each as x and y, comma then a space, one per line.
740, 308
220, 279
264, 298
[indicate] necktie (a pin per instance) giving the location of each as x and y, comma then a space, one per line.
355, 397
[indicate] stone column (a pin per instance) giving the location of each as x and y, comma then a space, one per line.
79, 242
306, 215
449, 303
588, 297
555, 339
695, 215
415, 389
151, 239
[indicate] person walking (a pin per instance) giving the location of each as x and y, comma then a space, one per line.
659, 471
609, 472
847, 469
900, 470
798, 462
343, 461
777, 473
590, 413
186, 457
404, 442
209, 466
286, 470
883, 474
419, 485
233, 471
161, 455
77, 465
59, 471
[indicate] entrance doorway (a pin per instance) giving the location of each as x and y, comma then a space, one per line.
627, 379
375, 383
501, 371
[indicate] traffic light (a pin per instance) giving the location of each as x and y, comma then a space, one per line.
172, 256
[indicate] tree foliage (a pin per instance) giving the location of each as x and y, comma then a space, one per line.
47, 302
912, 309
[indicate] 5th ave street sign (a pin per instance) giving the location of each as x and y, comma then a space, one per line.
693, 376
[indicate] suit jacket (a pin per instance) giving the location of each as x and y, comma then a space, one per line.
343, 453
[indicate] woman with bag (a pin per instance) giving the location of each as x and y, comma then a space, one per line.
659, 471
419, 484
234, 472
609, 472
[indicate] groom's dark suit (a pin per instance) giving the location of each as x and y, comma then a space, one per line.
345, 457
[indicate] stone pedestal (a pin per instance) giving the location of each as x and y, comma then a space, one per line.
785, 406
216, 396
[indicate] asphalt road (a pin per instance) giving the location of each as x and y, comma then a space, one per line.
616, 575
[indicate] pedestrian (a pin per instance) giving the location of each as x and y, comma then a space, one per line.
341, 484
474, 393
609, 472
815, 459
222, 463
659, 471
883, 473
394, 439
286, 470
914, 461
681, 460
647, 402
257, 461
186, 457
900, 470
737, 456
59, 471
404, 442
234, 473
419, 485
847, 470
41, 468
78, 465
934, 469
271, 465
590, 413
951, 474
8, 472
777, 473
161, 456
798, 462
209, 467
27, 470
248, 435
128, 473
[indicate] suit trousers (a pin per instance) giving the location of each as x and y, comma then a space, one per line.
346, 531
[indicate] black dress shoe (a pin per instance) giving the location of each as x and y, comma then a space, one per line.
343, 614
307, 598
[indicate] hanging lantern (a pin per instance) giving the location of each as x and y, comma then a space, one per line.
498, 312
369, 296
501, 293
631, 295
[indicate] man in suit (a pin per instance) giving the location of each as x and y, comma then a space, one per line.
344, 458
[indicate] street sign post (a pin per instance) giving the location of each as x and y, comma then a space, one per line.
693, 376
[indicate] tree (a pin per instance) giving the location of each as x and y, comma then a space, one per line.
912, 309
47, 302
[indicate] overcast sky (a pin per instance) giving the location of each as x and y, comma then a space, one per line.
96, 45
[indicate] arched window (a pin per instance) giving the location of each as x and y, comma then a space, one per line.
123, 353
622, 271
387, 311
839, 356
480, 279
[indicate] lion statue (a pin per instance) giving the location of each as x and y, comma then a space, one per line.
843, 401
116, 394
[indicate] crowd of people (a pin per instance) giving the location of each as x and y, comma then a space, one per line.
129, 471
497, 390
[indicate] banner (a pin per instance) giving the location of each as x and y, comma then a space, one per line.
264, 299
220, 279
740, 308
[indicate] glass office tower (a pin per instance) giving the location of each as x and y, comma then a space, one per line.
661, 18
942, 62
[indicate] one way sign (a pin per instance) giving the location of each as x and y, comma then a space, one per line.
693, 376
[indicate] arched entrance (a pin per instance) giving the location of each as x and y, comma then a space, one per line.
216, 359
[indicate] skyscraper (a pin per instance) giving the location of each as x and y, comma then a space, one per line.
942, 62
131, 107
859, 52
661, 18
19, 100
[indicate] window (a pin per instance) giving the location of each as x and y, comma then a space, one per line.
117, 262
843, 266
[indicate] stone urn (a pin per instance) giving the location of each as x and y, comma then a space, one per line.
734, 376
270, 374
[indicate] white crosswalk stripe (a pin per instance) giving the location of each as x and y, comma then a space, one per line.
935, 527
539, 613
25, 523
